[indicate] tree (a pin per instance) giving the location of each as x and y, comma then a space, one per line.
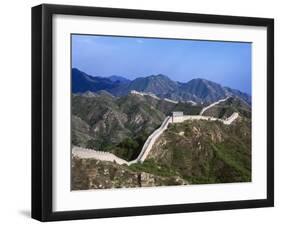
90, 144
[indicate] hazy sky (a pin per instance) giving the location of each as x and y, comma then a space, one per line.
227, 63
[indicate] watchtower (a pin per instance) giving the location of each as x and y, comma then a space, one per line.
176, 114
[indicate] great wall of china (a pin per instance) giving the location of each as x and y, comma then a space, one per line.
157, 98
106, 156
212, 105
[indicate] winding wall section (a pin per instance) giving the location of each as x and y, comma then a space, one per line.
212, 105
106, 156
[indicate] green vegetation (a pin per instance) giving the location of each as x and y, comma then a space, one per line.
90, 144
228, 107
90, 173
150, 166
103, 121
119, 125
129, 148
188, 109
204, 152
200, 151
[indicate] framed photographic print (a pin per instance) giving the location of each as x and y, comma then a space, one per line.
145, 112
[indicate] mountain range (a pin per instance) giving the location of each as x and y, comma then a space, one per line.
197, 90
191, 152
104, 122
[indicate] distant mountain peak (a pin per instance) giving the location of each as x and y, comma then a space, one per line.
118, 78
156, 84
199, 90
159, 76
82, 82
203, 80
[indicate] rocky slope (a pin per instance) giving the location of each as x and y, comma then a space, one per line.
206, 152
94, 174
228, 107
119, 125
192, 152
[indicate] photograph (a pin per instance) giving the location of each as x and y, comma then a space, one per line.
153, 111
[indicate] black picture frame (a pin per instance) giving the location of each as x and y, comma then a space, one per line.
42, 111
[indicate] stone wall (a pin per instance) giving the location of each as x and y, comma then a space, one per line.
106, 156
